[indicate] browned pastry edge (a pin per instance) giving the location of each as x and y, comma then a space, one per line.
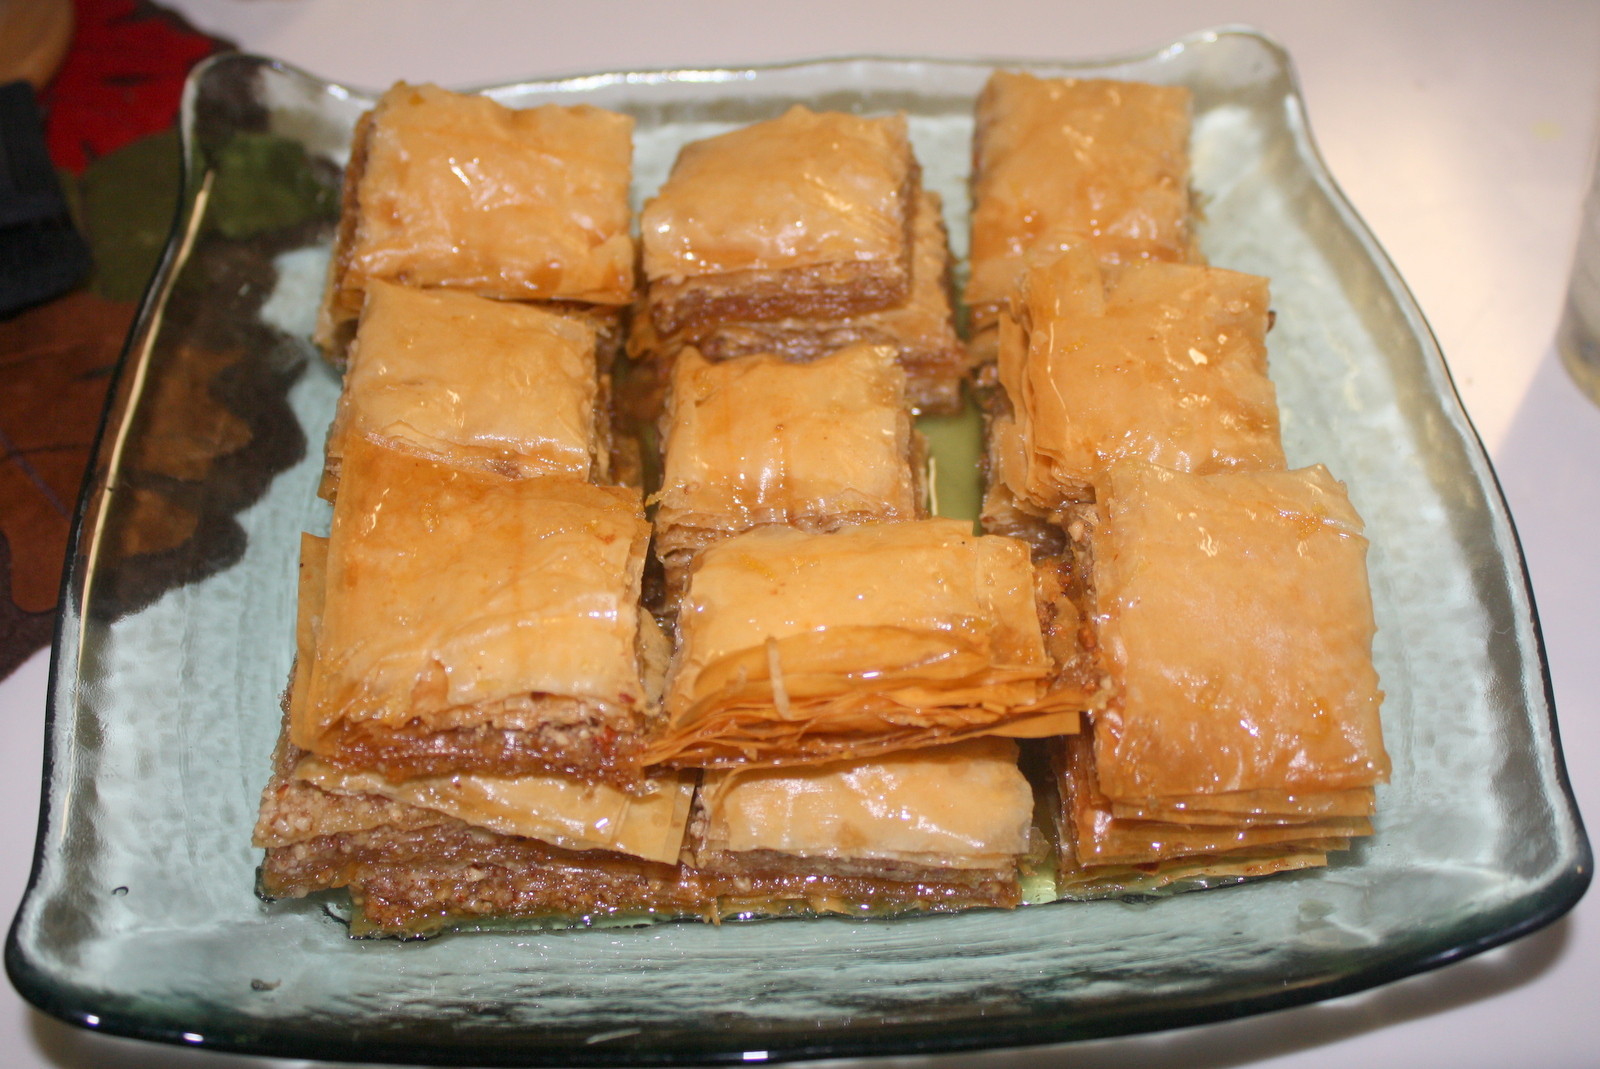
830, 290
1117, 881
336, 319
397, 902
414, 880
1100, 878
934, 369
820, 291
602, 747
1065, 598
773, 864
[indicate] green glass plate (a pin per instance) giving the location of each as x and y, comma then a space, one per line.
177, 632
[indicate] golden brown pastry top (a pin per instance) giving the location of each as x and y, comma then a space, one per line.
863, 604
462, 192
1237, 621
1105, 161
450, 591
761, 440
962, 805
1168, 364
472, 382
805, 189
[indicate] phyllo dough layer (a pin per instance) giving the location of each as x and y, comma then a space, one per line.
474, 383
1167, 363
1247, 863
922, 330
455, 190
411, 870
1251, 807
805, 215
476, 624
962, 806
761, 440
1057, 159
1100, 836
1238, 626
309, 799
798, 648
552, 808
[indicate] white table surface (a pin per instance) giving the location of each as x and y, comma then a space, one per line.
1460, 131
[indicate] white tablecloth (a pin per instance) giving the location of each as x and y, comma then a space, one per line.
1461, 132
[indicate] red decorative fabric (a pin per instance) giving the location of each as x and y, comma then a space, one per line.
122, 79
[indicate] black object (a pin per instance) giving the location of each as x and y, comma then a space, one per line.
41, 255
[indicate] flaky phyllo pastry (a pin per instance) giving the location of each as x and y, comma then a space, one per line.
416, 852
1238, 621
417, 855
807, 215
1164, 362
935, 829
1057, 160
1163, 631
325, 826
457, 191
921, 330
489, 385
760, 440
556, 809
946, 824
1237, 625
1103, 842
476, 624
796, 648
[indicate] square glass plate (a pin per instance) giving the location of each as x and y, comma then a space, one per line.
177, 632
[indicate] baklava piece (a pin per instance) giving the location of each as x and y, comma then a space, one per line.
760, 441
799, 648
457, 191
1237, 624
472, 383
938, 828
807, 215
423, 853
1057, 160
1164, 362
921, 331
477, 624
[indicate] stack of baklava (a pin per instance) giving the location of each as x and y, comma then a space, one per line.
821, 709
849, 672
798, 237
1134, 442
475, 679
481, 720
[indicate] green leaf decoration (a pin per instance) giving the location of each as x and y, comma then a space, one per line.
265, 183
